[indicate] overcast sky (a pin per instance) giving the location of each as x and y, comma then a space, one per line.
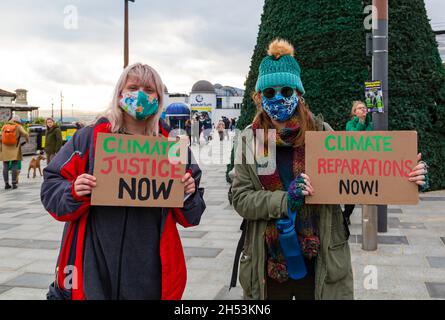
43, 50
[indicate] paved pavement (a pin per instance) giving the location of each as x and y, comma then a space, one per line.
409, 263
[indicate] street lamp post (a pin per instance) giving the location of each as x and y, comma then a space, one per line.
380, 72
61, 107
375, 218
126, 34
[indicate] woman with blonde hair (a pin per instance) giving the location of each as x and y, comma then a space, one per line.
291, 249
361, 119
118, 252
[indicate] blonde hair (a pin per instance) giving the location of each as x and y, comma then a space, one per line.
149, 77
355, 104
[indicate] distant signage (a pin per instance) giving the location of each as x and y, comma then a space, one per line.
200, 101
374, 96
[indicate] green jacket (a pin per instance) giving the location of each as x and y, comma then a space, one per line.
355, 124
53, 140
333, 272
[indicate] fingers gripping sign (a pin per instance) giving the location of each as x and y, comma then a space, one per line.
189, 183
84, 184
298, 189
419, 174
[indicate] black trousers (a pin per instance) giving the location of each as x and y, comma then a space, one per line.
303, 289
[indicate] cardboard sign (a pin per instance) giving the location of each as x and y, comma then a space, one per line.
361, 167
138, 171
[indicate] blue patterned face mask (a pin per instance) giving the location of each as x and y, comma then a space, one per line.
137, 105
280, 108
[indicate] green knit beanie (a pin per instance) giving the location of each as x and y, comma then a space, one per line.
279, 68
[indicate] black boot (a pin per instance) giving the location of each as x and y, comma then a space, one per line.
14, 186
7, 186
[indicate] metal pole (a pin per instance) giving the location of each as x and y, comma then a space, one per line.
380, 72
126, 34
52, 109
369, 228
61, 107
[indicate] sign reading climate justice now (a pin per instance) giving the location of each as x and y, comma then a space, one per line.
139, 171
361, 167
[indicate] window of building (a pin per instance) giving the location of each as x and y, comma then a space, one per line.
218, 103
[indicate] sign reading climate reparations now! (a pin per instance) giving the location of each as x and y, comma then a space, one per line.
139, 171
361, 167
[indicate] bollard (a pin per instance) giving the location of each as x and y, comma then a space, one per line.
369, 228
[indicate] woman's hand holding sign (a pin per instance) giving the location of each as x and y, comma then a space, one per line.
298, 189
308, 190
189, 183
84, 184
419, 173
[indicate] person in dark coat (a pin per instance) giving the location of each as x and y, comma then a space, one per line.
53, 139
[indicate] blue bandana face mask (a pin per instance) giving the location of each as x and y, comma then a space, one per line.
280, 108
138, 105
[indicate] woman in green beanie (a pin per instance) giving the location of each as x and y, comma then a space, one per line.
291, 249
53, 139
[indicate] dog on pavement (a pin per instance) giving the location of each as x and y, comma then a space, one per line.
35, 164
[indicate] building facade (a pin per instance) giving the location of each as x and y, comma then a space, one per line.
16, 104
215, 100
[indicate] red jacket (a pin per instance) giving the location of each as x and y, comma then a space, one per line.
61, 201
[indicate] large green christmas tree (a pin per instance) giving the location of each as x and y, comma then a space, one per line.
329, 38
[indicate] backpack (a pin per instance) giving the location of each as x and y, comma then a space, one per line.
9, 134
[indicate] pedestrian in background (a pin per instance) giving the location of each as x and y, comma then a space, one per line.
226, 127
188, 130
195, 130
232, 124
221, 128
11, 149
53, 139
207, 128
361, 120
